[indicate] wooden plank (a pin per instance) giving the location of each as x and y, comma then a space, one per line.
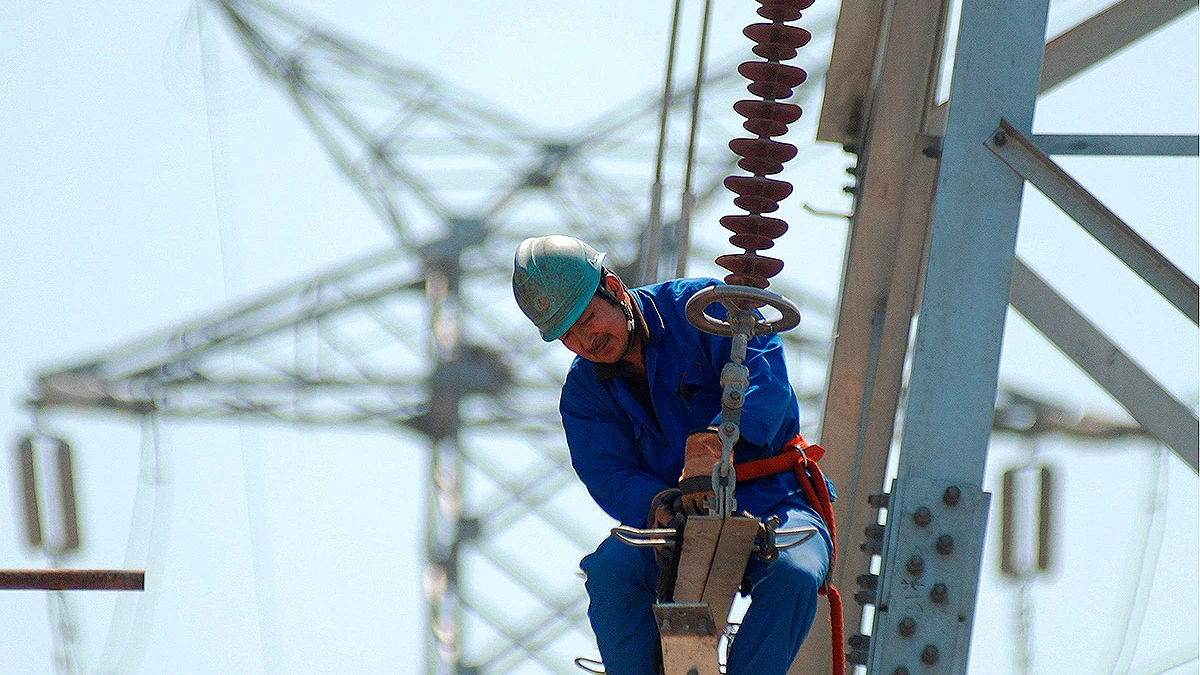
689, 638
729, 566
73, 580
700, 537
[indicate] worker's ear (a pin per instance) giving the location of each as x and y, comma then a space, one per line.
613, 283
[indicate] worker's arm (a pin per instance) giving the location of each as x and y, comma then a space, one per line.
606, 457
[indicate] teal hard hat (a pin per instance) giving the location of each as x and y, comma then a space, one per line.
554, 279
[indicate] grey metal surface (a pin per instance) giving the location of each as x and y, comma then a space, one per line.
880, 282
1104, 34
928, 576
1118, 144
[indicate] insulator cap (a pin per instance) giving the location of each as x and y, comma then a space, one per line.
776, 41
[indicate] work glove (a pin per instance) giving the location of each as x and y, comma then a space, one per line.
701, 453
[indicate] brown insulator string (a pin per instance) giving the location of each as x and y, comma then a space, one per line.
772, 81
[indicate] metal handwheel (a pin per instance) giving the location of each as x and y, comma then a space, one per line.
730, 296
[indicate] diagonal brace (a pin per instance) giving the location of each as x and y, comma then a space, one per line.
1024, 158
1168, 420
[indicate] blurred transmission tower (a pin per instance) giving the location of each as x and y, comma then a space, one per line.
459, 184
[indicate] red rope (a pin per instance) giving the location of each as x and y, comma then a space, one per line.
800, 458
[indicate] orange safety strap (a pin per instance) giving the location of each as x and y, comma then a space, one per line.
799, 457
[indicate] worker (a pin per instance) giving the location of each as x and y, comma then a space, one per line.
639, 407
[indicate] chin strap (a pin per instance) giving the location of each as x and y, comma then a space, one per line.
630, 324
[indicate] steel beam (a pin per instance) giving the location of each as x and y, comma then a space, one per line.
844, 109
880, 282
1105, 34
1031, 164
956, 355
1126, 145
1170, 421
1096, 39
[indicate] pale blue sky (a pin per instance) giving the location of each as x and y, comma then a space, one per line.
126, 213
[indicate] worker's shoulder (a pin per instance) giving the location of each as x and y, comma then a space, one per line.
677, 290
581, 376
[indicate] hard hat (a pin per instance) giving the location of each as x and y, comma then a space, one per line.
554, 279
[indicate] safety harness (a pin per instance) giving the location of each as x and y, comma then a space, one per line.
800, 458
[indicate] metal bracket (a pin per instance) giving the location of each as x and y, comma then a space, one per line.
928, 577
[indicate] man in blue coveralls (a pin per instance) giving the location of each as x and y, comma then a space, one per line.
639, 408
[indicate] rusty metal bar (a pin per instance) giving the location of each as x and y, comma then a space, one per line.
73, 580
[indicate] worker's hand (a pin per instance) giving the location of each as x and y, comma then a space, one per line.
663, 508
666, 510
701, 453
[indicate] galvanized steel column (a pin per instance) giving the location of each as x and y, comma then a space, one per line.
938, 511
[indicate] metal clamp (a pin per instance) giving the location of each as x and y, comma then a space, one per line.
767, 546
730, 296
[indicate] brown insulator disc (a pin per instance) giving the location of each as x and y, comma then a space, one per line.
763, 226
751, 242
782, 10
767, 118
755, 148
757, 186
778, 13
776, 41
771, 80
754, 268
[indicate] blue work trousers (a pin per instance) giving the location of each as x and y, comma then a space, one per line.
621, 582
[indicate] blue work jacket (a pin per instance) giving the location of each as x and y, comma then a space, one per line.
625, 456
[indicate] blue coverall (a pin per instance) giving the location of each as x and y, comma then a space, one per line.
625, 455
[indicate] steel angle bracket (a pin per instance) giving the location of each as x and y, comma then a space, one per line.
1030, 163
689, 638
928, 577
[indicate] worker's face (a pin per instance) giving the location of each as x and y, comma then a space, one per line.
600, 335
